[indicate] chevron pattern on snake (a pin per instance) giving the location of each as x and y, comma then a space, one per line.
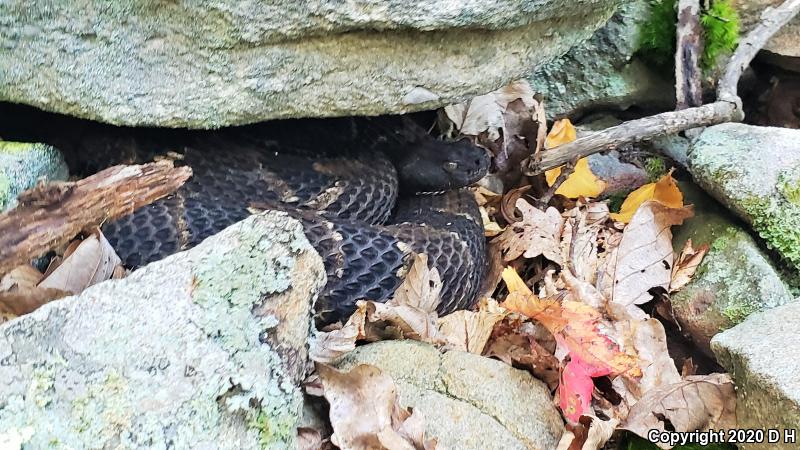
357, 185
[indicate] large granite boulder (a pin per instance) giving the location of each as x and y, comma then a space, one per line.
204, 349
604, 72
735, 279
206, 64
763, 358
755, 172
23, 164
468, 401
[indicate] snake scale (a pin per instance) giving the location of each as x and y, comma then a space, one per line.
361, 187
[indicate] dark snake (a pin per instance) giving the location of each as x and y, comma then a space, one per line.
360, 187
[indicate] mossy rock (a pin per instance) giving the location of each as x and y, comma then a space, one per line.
22, 164
755, 172
735, 279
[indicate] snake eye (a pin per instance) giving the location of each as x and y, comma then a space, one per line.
450, 166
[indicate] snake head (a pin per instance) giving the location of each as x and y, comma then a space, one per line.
433, 165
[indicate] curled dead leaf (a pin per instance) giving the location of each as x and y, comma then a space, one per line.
686, 264
365, 412
697, 403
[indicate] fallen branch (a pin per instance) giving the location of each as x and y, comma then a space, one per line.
50, 215
727, 108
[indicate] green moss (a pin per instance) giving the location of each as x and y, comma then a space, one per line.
5, 191
271, 430
655, 168
720, 24
721, 32
778, 225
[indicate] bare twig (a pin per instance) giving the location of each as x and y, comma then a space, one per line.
566, 171
50, 215
688, 90
727, 108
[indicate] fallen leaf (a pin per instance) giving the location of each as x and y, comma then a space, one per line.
365, 411
308, 439
469, 331
519, 349
421, 286
575, 390
686, 264
562, 132
581, 241
490, 227
698, 403
92, 261
20, 293
576, 326
591, 433
580, 183
484, 113
664, 191
644, 257
327, 346
539, 233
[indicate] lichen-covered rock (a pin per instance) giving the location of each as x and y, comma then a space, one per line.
204, 349
755, 172
468, 401
786, 42
23, 164
603, 71
207, 64
763, 358
735, 279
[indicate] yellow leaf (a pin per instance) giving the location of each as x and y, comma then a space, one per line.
581, 183
664, 191
563, 132
514, 282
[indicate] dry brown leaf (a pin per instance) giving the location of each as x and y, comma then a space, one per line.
91, 262
326, 347
644, 258
20, 293
517, 347
594, 438
421, 287
686, 264
484, 113
580, 239
539, 233
365, 411
469, 331
697, 403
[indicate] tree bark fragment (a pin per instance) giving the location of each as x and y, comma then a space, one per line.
49, 216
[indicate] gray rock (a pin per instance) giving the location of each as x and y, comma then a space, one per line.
468, 401
23, 164
786, 42
207, 64
204, 349
755, 172
619, 177
763, 357
603, 72
735, 279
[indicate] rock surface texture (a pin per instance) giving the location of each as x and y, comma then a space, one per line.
468, 401
735, 279
23, 164
786, 42
207, 64
201, 350
603, 71
755, 172
763, 357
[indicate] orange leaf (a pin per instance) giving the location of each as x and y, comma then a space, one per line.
664, 191
563, 132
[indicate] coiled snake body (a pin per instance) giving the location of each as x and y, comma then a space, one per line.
341, 179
